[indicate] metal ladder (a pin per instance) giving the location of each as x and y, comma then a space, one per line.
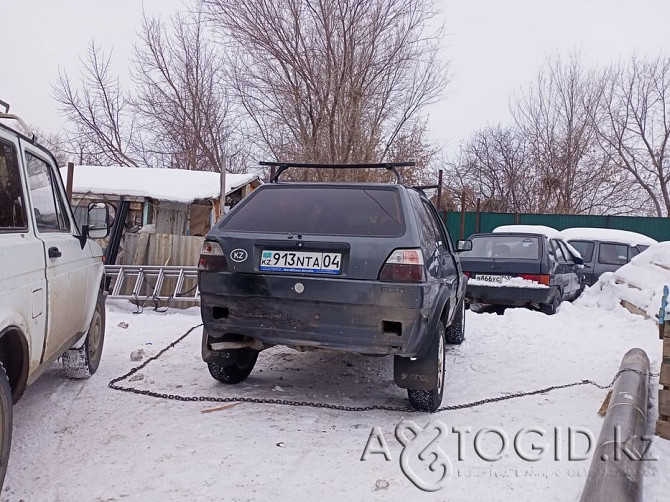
149, 281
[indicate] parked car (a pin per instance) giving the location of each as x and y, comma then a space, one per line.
353, 267
51, 301
605, 249
522, 265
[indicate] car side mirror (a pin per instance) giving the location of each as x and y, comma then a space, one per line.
464, 245
98, 220
579, 260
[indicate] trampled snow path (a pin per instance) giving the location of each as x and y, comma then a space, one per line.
80, 440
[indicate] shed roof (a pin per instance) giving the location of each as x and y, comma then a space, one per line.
175, 185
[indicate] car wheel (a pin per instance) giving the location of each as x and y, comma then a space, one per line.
84, 361
430, 400
455, 333
245, 360
5, 423
551, 308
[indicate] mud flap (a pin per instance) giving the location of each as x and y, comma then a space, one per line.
222, 357
420, 373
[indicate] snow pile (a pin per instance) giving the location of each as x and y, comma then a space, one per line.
548, 232
639, 283
174, 185
607, 235
512, 282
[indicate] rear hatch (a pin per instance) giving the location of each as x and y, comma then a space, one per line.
497, 258
334, 231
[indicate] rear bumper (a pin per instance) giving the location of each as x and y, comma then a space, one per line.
510, 296
366, 317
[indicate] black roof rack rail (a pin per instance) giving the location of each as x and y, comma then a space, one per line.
390, 166
421, 188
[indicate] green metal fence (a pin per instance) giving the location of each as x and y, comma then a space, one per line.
656, 228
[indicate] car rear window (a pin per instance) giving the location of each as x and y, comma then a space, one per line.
504, 246
585, 249
320, 210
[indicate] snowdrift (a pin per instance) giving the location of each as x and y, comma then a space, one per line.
637, 286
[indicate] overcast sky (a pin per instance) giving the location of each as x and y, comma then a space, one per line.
495, 48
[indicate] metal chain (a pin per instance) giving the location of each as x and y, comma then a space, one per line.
287, 402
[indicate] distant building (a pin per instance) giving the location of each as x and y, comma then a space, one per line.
176, 201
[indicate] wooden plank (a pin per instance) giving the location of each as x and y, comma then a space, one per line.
140, 254
666, 347
634, 309
663, 429
664, 402
665, 375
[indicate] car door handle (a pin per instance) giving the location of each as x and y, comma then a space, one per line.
54, 252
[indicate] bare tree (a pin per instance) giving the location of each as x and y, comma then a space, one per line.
99, 112
633, 125
182, 97
498, 169
555, 116
334, 82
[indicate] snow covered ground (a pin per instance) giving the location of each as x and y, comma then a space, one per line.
80, 440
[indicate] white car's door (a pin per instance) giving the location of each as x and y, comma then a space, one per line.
66, 261
22, 277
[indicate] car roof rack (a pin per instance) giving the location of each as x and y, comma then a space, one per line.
421, 188
390, 166
10, 116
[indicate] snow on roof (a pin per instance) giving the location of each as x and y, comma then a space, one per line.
607, 234
175, 185
549, 232
639, 282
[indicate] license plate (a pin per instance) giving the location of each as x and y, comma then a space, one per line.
301, 261
493, 278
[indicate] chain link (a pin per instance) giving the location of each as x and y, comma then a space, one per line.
113, 384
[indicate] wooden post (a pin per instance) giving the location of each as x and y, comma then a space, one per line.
439, 191
462, 213
70, 180
663, 422
222, 197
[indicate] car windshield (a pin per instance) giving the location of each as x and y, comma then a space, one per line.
320, 210
504, 246
585, 249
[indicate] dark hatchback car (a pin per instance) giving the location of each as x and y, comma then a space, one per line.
363, 268
522, 268
605, 249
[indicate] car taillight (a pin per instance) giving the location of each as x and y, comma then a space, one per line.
212, 258
466, 274
404, 265
540, 279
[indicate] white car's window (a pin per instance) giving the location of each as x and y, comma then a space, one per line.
48, 206
12, 204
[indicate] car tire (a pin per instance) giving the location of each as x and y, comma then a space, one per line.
245, 361
84, 361
6, 417
551, 308
430, 400
455, 332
